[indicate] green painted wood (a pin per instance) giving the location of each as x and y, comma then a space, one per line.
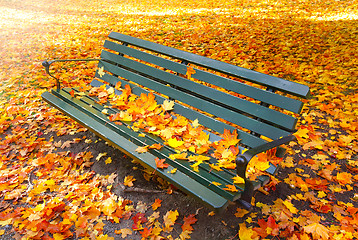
227, 174
249, 75
179, 179
247, 139
206, 93
229, 115
205, 176
226, 83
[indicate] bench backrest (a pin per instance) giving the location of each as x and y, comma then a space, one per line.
259, 104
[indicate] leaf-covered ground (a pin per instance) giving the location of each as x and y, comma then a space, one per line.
59, 181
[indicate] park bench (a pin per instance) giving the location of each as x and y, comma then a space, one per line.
263, 109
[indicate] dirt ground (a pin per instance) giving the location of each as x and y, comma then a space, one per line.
222, 225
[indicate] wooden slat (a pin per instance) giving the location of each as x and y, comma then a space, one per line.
249, 75
179, 179
235, 86
231, 116
207, 93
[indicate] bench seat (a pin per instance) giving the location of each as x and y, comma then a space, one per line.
261, 108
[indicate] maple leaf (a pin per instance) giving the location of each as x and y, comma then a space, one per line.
124, 232
188, 221
344, 178
231, 188
245, 233
142, 149
317, 230
196, 123
101, 71
240, 212
157, 203
72, 92
128, 181
190, 71
216, 183
66, 144
157, 146
138, 219
146, 233
174, 143
111, 178
108, 160
168, 105
160, 163
290, 206
169, 219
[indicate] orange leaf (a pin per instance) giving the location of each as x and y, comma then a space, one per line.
160, 163
188, 221
72, 92
190, 71
344, 178
231, 188
142, 149
124, 231
156, 204
317, 230
156, 146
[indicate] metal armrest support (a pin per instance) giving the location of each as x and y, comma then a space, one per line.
47, 65
243, 160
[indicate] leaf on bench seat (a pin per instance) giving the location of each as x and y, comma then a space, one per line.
168, 105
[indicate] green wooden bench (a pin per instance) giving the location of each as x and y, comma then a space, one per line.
262, 108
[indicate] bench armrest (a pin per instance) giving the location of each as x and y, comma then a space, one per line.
243, 160
47, 65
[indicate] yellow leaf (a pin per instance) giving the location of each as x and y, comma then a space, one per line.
290, 206
168, 105
182, 156
195, 123
238, 180
212, 213
226, 153
128, 181
109, 160
174, 170
244, 232
6, 222
174, 143
101, 155
101, 71
58, 236
216, 183
321, 194
170, 217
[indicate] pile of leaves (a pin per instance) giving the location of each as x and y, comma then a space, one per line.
49, 192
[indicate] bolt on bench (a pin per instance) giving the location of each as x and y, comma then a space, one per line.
261, 109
